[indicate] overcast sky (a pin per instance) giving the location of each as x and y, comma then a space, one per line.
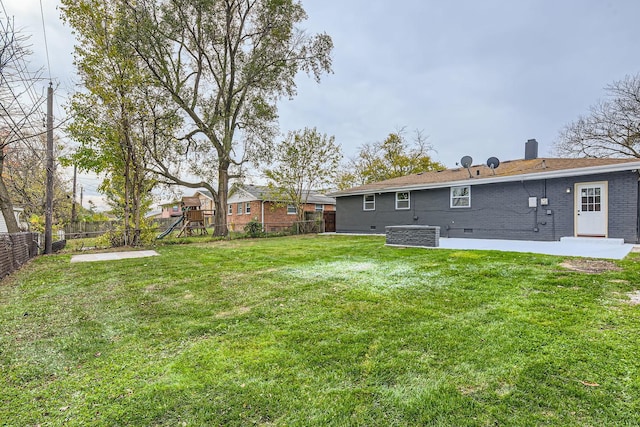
478, 77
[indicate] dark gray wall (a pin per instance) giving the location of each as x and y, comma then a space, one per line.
498, 211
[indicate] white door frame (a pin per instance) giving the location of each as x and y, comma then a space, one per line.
604, 203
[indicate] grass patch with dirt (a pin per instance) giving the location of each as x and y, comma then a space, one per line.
319, 330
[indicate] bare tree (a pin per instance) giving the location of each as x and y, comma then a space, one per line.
19, 104
25, 176
612, 127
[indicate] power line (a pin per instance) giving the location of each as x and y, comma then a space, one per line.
46, 46
4, 9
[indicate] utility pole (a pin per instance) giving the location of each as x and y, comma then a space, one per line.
48, 219
81, 193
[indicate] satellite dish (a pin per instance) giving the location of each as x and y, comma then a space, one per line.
493, 162
466, 161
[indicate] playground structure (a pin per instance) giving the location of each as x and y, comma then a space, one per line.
192, 219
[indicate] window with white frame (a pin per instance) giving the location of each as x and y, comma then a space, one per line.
240, 207
403, 200
461, 197
369, 202
230, 210
175, 208
319, 207
291, 210
247, 208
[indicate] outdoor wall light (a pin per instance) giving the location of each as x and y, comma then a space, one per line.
568, 189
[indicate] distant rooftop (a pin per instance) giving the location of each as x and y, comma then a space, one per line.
262, 192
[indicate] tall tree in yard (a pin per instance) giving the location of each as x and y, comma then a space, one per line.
223, 64
394, 157
306, 160
119, 114
612, 126
20, 106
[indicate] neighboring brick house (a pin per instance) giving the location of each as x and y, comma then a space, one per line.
252, 202
527, 199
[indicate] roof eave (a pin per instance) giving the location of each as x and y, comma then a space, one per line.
617, 167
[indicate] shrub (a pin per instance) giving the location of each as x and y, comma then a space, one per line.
253, 229
115, 237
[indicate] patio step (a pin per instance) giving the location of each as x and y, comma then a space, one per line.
591, 240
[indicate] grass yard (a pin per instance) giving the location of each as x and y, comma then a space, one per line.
321, 330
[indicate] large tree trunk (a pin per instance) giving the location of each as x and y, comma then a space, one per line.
5, 203
221, 201
126, 148
135, 208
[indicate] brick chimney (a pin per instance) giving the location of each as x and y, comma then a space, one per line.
531, 149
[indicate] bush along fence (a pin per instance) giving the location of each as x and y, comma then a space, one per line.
281, 228
15, 250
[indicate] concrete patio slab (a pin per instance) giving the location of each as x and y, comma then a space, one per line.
575, 246
112, 256
578, 247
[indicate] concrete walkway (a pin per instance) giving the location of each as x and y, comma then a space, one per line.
112, 256
578, 247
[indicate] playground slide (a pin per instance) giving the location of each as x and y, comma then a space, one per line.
170, 229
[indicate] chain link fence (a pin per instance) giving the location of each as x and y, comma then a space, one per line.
15, 250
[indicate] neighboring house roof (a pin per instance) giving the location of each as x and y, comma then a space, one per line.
262, 192
205, 193
511, 170
152, 214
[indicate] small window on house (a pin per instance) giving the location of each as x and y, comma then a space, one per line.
403, 200
240, 207
319, 207
230, 210
461, 197
175, 208
247, 208
291, 210
369, 202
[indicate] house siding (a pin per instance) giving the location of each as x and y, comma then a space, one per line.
499, 211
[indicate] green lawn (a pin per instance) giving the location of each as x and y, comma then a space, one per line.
322, 330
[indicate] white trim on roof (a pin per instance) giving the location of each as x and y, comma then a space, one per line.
590, 170
241, 195
202, 194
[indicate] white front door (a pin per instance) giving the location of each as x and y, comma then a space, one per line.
591, 209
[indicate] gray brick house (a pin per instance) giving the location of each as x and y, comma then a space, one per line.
528, 199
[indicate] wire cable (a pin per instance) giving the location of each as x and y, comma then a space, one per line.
46, 46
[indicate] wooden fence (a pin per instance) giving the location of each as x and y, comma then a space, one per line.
83, 229
15, 250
